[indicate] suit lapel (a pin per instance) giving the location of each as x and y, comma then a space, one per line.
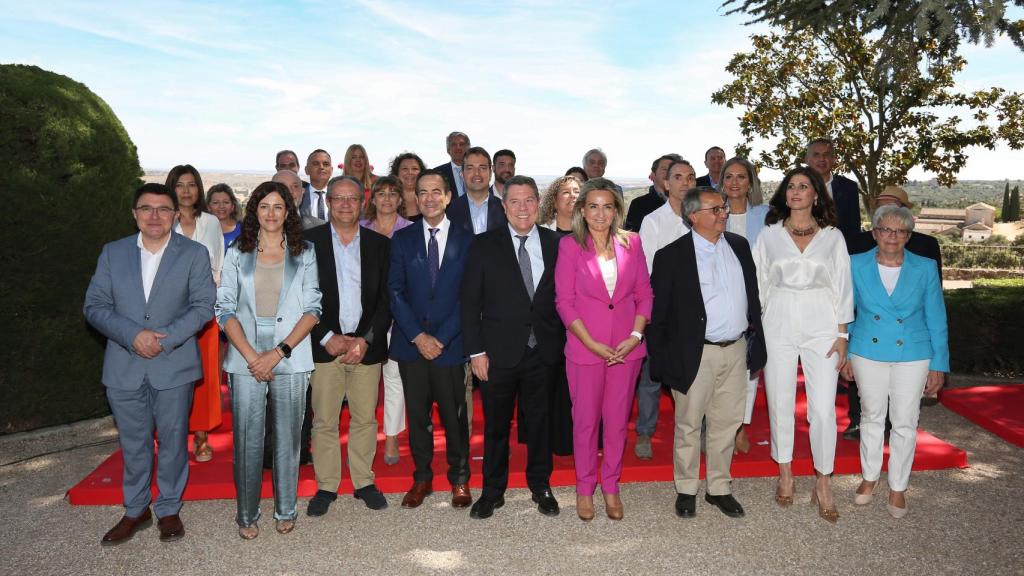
881, 297
689, 268
171, 254
593, 266
453, 244
510, 249
247, 268
135, 273
621, 263
291, 265
906, 280
549, 250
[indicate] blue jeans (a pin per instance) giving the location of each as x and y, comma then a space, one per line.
648, 398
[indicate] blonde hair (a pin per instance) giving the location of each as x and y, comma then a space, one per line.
548, 213
366, 177
580, 230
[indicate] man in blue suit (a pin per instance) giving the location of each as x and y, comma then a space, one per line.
456, 145
478, 210
150, 295
427, 261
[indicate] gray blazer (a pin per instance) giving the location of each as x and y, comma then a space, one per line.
180, 303
300, 294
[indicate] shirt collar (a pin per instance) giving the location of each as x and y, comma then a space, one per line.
701, 243
531, 234
442, 226
138, 241
334, 235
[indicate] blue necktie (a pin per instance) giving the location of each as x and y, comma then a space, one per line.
433, 259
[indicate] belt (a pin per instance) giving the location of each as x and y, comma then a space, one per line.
723, 343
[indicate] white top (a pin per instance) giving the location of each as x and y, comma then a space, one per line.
207, 232
610, 273
817, 280
737, 224
150, 263
659, 229
890, 275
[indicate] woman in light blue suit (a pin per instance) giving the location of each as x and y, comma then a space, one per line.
898, 349
742, 188
267, 303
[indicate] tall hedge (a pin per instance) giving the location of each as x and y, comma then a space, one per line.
67, 170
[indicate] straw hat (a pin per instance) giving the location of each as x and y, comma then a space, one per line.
897, 193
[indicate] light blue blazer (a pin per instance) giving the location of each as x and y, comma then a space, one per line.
909, 325
300, 294
755, 222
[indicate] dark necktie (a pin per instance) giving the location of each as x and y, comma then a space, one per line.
527, 271
320, 204
433, 258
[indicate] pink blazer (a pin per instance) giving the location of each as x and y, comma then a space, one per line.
580, 293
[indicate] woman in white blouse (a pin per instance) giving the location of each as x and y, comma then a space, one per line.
803, 273
195, 223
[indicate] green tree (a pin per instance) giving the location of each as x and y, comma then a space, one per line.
919, 21
1004, 212
67, 170
1014, 205
796, 85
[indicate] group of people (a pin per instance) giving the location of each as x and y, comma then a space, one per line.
556, 305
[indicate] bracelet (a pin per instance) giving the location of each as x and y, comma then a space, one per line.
843, 335
639, 336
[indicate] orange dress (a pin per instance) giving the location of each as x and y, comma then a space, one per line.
206, 408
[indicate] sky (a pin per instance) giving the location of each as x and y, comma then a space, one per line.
225, 85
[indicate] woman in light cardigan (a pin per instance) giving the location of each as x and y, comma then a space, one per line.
898, 349
267, 303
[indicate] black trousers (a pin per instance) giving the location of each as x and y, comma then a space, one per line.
424, 384
531, 382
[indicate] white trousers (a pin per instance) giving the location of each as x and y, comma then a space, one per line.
394, 399
748, 414
897, 386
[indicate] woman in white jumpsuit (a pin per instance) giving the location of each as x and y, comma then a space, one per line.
803, 272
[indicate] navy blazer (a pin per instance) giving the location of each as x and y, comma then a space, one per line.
678, 320
458, 213
847, 199
449, 176
415, 306
180, 303
640, 207
906, 326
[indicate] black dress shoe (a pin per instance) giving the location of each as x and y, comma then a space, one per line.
320, 503
171, 528
484, 507
372, 497
852, 432
727, 504
546, 503
686, 505
126, 527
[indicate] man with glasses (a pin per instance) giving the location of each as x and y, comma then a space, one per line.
706, 306
151, 359
349, 345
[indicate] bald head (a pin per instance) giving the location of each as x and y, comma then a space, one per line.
292, 181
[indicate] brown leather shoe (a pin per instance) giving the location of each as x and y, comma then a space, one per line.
414, 497
171, 528
461, 497
613, 506
126, 527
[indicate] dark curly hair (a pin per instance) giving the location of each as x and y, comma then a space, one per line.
823, 211
249, 237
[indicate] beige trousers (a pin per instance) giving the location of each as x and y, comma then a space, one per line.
332, 382
718, 394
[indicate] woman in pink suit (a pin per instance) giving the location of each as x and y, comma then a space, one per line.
603, 294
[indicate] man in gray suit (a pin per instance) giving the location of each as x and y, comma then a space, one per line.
151, 293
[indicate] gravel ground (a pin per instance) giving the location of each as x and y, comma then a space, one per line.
960, 522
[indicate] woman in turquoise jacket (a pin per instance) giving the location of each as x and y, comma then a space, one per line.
898, 349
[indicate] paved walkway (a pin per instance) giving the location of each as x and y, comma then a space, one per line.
960, 522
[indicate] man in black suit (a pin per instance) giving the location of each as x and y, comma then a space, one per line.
319, 169
349, 344
655, 197
514, 339
705, 333
714, 159
456, 144
478, 210
821, 157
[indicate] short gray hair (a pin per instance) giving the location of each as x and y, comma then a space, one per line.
598, 151
691, 200
453, 136
893, 212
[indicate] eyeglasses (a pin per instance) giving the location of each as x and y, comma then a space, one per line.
893, 232
716, 210
161, 211
344, 199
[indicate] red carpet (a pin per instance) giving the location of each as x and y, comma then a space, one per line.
213, 480
998, 409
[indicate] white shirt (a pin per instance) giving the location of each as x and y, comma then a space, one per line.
722, 288
737, 224
348, 275
610, 274
441, 235
659, 229
890, 276
828, 186
208, 233
533, 249
149, 262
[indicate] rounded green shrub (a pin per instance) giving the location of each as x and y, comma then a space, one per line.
67, 171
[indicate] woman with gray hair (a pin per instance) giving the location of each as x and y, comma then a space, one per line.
898, 349
742, 188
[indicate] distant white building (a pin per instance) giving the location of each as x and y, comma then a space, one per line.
977, 232
982, 213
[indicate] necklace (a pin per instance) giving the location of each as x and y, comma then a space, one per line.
801, 232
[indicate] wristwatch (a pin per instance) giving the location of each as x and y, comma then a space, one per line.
637, 335
285, 349
843, 335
